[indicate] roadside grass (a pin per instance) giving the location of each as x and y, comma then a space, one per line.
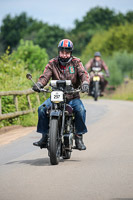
123, 92
29, 120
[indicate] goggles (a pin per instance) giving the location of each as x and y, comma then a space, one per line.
65, 49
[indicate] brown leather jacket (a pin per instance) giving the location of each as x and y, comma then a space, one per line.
74, 71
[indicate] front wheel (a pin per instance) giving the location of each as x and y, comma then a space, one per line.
54, 142
96, 91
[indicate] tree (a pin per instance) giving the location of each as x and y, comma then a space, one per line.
117, 38
96, 21
129, 16
34, 57
48, 37
13, 29
20, 27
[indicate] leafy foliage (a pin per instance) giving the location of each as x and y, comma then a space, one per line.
115, 39
120, 66
48, 37
116, 77
34, 57
124, 62
13, 29
12, 73
98, 17
13, 77
23, 27
94, 22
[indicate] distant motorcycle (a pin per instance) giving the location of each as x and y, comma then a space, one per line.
95, 85
61, 120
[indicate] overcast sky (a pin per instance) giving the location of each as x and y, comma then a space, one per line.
59, 12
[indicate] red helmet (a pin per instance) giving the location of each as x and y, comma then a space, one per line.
65, 44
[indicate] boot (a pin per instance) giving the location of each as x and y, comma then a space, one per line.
79, 142
42, 142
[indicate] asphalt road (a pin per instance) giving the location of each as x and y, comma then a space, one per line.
103, 171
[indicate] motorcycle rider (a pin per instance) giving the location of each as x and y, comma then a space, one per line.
97, 62
64, 67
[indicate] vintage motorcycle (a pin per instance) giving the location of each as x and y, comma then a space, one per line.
95, 85
61, 120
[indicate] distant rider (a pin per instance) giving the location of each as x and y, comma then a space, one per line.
97, 62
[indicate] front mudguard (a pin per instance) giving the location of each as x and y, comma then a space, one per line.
55, 113
94, 84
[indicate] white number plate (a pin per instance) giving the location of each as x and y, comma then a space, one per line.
57, 96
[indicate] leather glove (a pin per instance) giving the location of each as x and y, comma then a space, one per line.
37, 89
85, 87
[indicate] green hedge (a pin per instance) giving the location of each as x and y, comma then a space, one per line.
13, 77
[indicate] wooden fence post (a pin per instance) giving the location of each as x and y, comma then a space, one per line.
38, 99
16, 102
29, 102
17, 112
0, 106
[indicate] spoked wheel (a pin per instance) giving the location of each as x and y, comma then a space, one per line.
54, 142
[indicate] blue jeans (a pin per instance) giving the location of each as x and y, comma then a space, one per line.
78, 109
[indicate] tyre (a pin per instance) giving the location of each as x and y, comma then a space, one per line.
96, 91
67, 154
54, 142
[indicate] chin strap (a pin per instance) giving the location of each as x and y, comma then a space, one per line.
64, 61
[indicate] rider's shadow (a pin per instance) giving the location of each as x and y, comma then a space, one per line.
34, 162
39, 162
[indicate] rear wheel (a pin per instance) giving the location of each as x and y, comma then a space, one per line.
67, 154
54, 142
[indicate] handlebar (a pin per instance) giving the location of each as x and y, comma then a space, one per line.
72, 91
66, 92
45, 90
